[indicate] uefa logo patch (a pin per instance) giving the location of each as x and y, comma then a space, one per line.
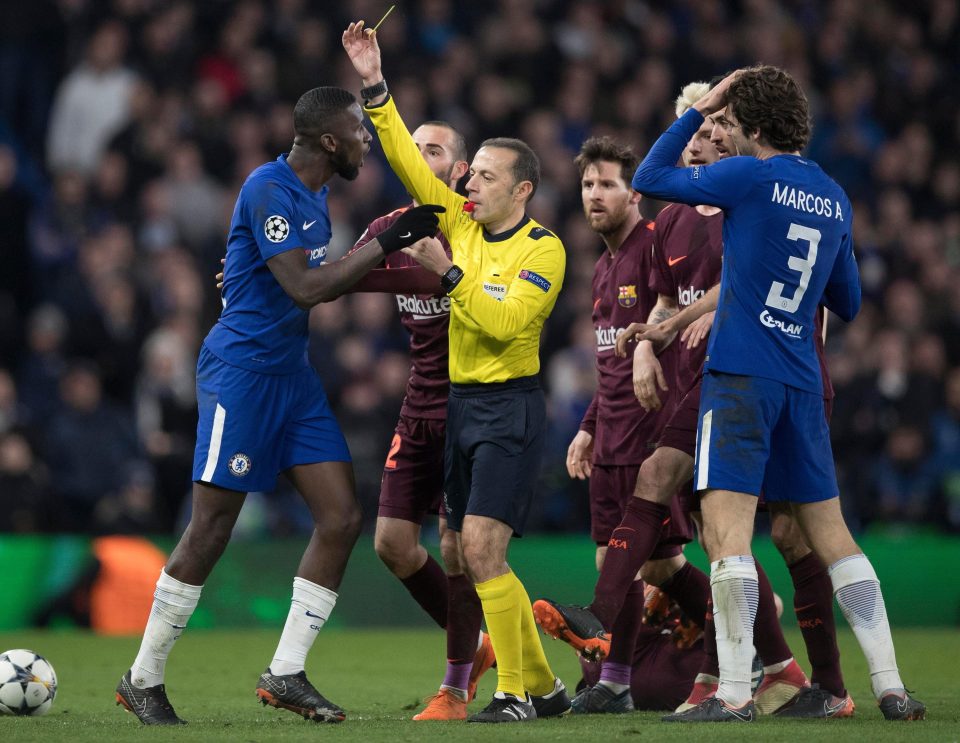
239, 464
276, 228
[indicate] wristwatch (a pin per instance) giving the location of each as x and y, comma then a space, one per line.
451, 278
368, 94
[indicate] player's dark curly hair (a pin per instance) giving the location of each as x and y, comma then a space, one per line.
767, 99
607, 149
317, 108
527, 165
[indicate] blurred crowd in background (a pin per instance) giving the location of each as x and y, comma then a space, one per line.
128, 126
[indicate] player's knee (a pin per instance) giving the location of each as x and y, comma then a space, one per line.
450, 552
395, 551
656, 480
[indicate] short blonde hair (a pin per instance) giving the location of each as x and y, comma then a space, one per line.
691, 93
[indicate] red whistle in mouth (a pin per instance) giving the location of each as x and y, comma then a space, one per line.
468, 206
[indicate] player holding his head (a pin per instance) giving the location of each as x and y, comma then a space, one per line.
412, 484
262, 408
502, 281
825, 696
787, 247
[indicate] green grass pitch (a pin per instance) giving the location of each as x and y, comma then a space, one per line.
380, 676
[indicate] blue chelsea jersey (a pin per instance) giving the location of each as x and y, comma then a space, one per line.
260, 327
787, 247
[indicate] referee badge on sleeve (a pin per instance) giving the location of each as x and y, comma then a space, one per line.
535, 279
276, 228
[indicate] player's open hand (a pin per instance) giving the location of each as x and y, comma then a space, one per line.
364, 51
696, 331
716, 98
579, 455
648, 378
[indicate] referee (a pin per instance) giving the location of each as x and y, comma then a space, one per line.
503, 281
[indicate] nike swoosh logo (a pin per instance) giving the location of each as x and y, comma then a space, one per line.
740, 715
675, 261
308, 225
804, 608
405, 235
178, 626
315, 616
829, 710
902, 706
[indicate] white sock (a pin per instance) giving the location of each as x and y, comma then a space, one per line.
173, 604
857, 589
310, 608
733, 582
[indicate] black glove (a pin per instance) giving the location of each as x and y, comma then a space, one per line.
414, 224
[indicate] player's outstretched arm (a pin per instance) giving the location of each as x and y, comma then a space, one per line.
310, 286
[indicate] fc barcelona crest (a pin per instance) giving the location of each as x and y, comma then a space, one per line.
628, 295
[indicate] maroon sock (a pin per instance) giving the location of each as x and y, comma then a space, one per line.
630, 545
711, 664
590, 671
428, 586
813, 604
627, 626
465, 614
767, 633
690, 588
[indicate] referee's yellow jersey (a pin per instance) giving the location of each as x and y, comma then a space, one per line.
511, 280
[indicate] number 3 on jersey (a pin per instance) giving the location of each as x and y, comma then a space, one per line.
775, 297
391, 463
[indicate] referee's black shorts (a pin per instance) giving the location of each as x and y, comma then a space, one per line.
495, 437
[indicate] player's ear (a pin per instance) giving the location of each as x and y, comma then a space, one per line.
328, 143
635, 197
460, 168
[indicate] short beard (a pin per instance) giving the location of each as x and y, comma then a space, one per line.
348, 172
609, 227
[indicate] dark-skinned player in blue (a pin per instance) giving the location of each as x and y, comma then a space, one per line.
262, 408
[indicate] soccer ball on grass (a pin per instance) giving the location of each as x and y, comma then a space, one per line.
28, 683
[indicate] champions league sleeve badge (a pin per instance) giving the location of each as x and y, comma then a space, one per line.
276, 228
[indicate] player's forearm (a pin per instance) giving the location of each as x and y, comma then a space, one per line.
658, 175
330, 280
406, 280
683, 318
